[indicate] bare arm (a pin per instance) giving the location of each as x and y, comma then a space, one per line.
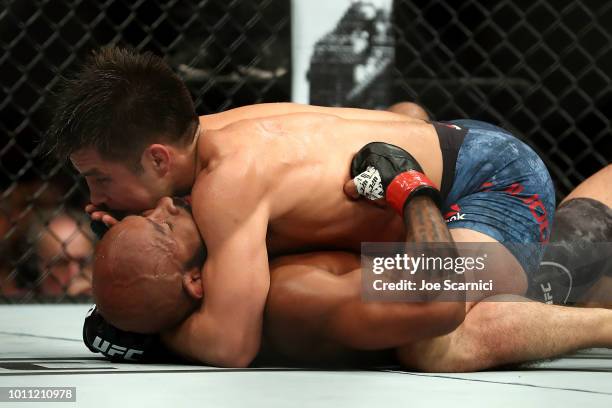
226, 330
395, 324
317, 298
222, 119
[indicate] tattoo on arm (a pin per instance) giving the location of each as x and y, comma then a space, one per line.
424, 224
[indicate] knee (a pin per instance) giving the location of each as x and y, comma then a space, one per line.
453, 358
437, 355
475, 345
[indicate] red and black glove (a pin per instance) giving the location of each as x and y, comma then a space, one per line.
384, 170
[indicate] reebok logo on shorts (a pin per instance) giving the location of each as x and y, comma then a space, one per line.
455, 214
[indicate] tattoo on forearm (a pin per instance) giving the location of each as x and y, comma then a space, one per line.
424, 223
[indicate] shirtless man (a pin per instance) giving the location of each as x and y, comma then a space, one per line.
266, 185
315, 315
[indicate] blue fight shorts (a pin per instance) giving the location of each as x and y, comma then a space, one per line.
501, 188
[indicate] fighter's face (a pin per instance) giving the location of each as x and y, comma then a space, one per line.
172, 218
64, 256
113, 185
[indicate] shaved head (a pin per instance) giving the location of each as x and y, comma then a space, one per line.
137, 279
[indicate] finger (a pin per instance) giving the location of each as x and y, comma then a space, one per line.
96, 215
109, 220
350, 189
89, 208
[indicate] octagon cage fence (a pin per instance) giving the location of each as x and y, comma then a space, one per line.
539, 68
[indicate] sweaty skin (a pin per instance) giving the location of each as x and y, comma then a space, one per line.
268, 185
279, 180
314, 313
314, 307
295, 167
317, 294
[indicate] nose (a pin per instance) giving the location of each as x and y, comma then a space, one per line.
97, 198
164, 206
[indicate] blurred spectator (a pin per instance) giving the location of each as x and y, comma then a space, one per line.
60, 264
40, 243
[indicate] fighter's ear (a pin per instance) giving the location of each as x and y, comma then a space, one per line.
192, 283
157, 156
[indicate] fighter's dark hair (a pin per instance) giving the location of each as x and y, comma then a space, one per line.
119, 103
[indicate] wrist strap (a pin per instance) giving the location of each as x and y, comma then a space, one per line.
403, 186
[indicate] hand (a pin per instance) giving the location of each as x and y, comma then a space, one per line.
384, 171
366, 186
99, 215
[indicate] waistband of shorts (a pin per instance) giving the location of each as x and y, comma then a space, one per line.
451, 138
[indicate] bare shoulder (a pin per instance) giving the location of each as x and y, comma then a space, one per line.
233, 189
233, 178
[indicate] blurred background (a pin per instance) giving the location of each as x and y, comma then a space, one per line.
539, 68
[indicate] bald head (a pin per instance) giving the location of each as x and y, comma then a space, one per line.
138, 282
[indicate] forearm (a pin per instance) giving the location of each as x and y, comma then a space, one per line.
424, 222
200, 340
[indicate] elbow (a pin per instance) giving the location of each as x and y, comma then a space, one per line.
237, 354
235, 360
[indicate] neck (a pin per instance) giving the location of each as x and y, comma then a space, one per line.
189, 165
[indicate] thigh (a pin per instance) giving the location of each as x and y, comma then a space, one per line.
507, 273
502, 192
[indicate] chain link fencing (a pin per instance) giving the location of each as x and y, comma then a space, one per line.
539, 68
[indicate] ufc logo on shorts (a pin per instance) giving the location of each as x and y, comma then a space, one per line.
546, 291
111, 350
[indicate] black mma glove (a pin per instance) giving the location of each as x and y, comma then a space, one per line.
384, 170
121, 346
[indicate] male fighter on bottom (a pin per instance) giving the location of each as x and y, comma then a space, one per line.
271, 184
314, 312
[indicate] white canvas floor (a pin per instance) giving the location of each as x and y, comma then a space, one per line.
41, 346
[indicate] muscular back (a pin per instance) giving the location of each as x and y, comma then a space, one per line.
306, 291
302, 161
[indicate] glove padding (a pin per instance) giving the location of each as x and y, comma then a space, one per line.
120, 346
384, 170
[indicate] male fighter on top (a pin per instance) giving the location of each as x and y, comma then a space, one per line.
265, 185
314, 313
